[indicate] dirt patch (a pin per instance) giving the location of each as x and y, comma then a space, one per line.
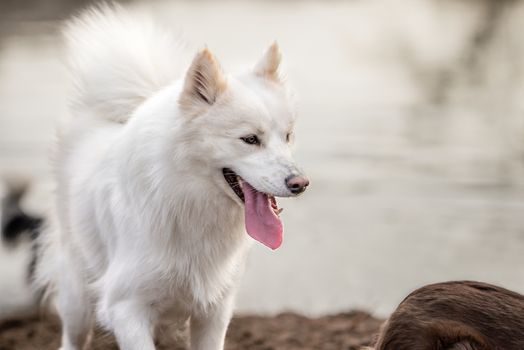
287, 331
292, 332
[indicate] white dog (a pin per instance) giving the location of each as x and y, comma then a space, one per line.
158, 180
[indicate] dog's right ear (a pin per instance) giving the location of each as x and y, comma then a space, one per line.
268, 65
204, 82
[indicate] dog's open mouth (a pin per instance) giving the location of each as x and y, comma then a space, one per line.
260, 210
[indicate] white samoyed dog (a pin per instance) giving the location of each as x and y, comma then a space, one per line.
158, 179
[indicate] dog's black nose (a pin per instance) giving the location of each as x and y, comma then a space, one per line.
297, 184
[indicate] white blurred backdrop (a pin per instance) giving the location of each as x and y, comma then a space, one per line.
411, 130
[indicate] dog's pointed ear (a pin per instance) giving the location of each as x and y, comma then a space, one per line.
268, 65
204, 81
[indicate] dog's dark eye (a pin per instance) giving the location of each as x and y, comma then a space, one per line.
251, 140
288, 136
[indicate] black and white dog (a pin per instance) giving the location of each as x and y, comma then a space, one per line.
16, 223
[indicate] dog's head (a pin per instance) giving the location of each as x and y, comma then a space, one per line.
245, 129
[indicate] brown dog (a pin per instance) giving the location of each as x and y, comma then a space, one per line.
460, 315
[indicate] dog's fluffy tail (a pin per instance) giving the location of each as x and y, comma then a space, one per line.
117, 60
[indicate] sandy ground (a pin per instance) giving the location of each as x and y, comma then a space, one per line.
286, 331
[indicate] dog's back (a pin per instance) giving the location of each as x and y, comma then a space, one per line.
460, 315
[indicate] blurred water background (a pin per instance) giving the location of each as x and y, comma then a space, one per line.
411, 129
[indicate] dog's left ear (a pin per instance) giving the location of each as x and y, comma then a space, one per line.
268, 65
204, 82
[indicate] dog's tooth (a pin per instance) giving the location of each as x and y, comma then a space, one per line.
279, 210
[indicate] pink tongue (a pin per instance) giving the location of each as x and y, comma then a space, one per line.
261, 222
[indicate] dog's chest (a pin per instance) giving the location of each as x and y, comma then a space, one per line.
191, 257
202, 273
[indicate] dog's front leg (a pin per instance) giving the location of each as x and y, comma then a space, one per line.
208, 329
130, 321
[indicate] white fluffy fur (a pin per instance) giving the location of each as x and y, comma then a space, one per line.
106, 46
145, 225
